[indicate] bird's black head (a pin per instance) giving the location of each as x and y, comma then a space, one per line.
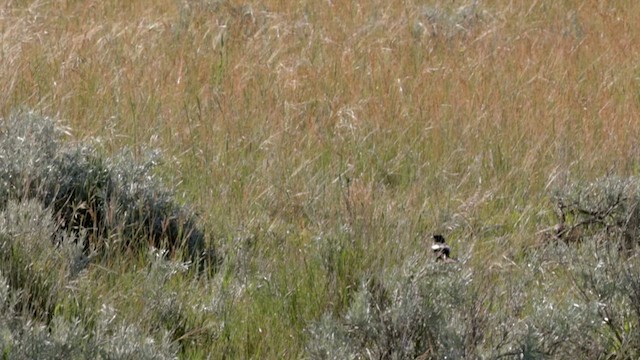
438, 239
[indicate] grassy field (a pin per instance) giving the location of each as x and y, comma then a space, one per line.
322, 143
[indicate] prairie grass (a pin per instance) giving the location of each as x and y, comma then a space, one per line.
321, 143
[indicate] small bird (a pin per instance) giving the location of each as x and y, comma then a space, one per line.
442, 250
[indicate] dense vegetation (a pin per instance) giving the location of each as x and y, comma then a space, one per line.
225, 179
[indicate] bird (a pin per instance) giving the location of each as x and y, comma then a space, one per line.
442, 250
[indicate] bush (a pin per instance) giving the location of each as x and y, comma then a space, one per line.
431, 310
447, 22
608, 281
35, 268
23, 338
117, 201
606, 209
60, 203
28, 145
400, 315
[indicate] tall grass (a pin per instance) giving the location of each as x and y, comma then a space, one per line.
321, 142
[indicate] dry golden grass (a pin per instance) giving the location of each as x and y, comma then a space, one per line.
383, 120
